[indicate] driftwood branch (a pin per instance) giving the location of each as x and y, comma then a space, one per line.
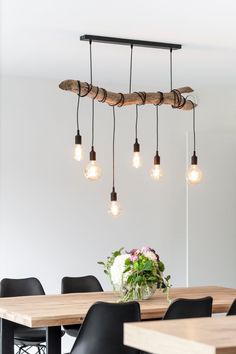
112, 98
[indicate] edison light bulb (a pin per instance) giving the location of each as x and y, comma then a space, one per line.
93, 171
136, 159
194, 174
114, 208
136, 155
78, 152
156, 172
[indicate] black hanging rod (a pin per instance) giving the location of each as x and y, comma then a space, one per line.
134, 42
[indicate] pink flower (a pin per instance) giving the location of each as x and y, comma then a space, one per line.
133, 251
133, 258
145, 249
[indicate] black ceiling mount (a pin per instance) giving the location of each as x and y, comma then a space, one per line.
134, 42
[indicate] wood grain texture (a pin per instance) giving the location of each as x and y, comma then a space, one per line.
113, 98
215, 335
56, 310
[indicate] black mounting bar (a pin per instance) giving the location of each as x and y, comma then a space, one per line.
134, 42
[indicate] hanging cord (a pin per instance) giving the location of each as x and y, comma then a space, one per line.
91, 62
92, 123
78, 104
194, 123
90, 87
136, 123
120, 102
157, 126
113, 148
194, 129
157, 117
131, 68
179, 100
171, 70
143, 97
77, 113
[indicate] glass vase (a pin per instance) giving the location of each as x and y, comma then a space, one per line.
137, 293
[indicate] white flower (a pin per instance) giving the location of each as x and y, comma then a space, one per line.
117, 270
150, 255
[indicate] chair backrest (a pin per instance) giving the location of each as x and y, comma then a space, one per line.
232, 309
84, 284
102, 329
189, 308
20, 287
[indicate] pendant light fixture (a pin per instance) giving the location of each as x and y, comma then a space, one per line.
174, 97
78, 151
156, 171
114, 207
136, 154
92, 171
194, 174
136, 159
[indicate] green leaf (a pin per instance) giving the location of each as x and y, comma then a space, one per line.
102, 263
161, 266
127, 269
152, 279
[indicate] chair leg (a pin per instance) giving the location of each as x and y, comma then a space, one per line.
18, 349
24, 349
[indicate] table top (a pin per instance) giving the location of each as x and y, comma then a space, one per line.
56, 310
214, 335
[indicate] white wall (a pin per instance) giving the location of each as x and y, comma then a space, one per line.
211, 213
55, 223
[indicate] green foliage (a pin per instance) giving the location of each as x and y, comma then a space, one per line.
110, 260
141, 272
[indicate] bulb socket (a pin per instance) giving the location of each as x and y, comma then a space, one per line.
136, 146
157, 159
113, 195
92, 155
78, 138
194, 159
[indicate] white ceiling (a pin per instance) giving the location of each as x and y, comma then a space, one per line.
41, 39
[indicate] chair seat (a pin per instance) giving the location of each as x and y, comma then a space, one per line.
72, 330
30, 336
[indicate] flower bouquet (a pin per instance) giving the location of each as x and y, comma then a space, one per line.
136, 274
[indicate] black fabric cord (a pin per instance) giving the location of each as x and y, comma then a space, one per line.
120, 102
171, 70
90, 88
136, 123
179, 100
131, 68
157, 125
77, 113
91, 64
194, 122
113, 147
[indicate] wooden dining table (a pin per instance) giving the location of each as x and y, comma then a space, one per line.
53, 311
216, 335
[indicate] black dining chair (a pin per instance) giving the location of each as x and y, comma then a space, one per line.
102, 329
232, 309
189, 308
25, 338
84, 284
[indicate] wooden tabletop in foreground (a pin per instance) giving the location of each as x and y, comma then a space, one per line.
216, 335
56, 310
